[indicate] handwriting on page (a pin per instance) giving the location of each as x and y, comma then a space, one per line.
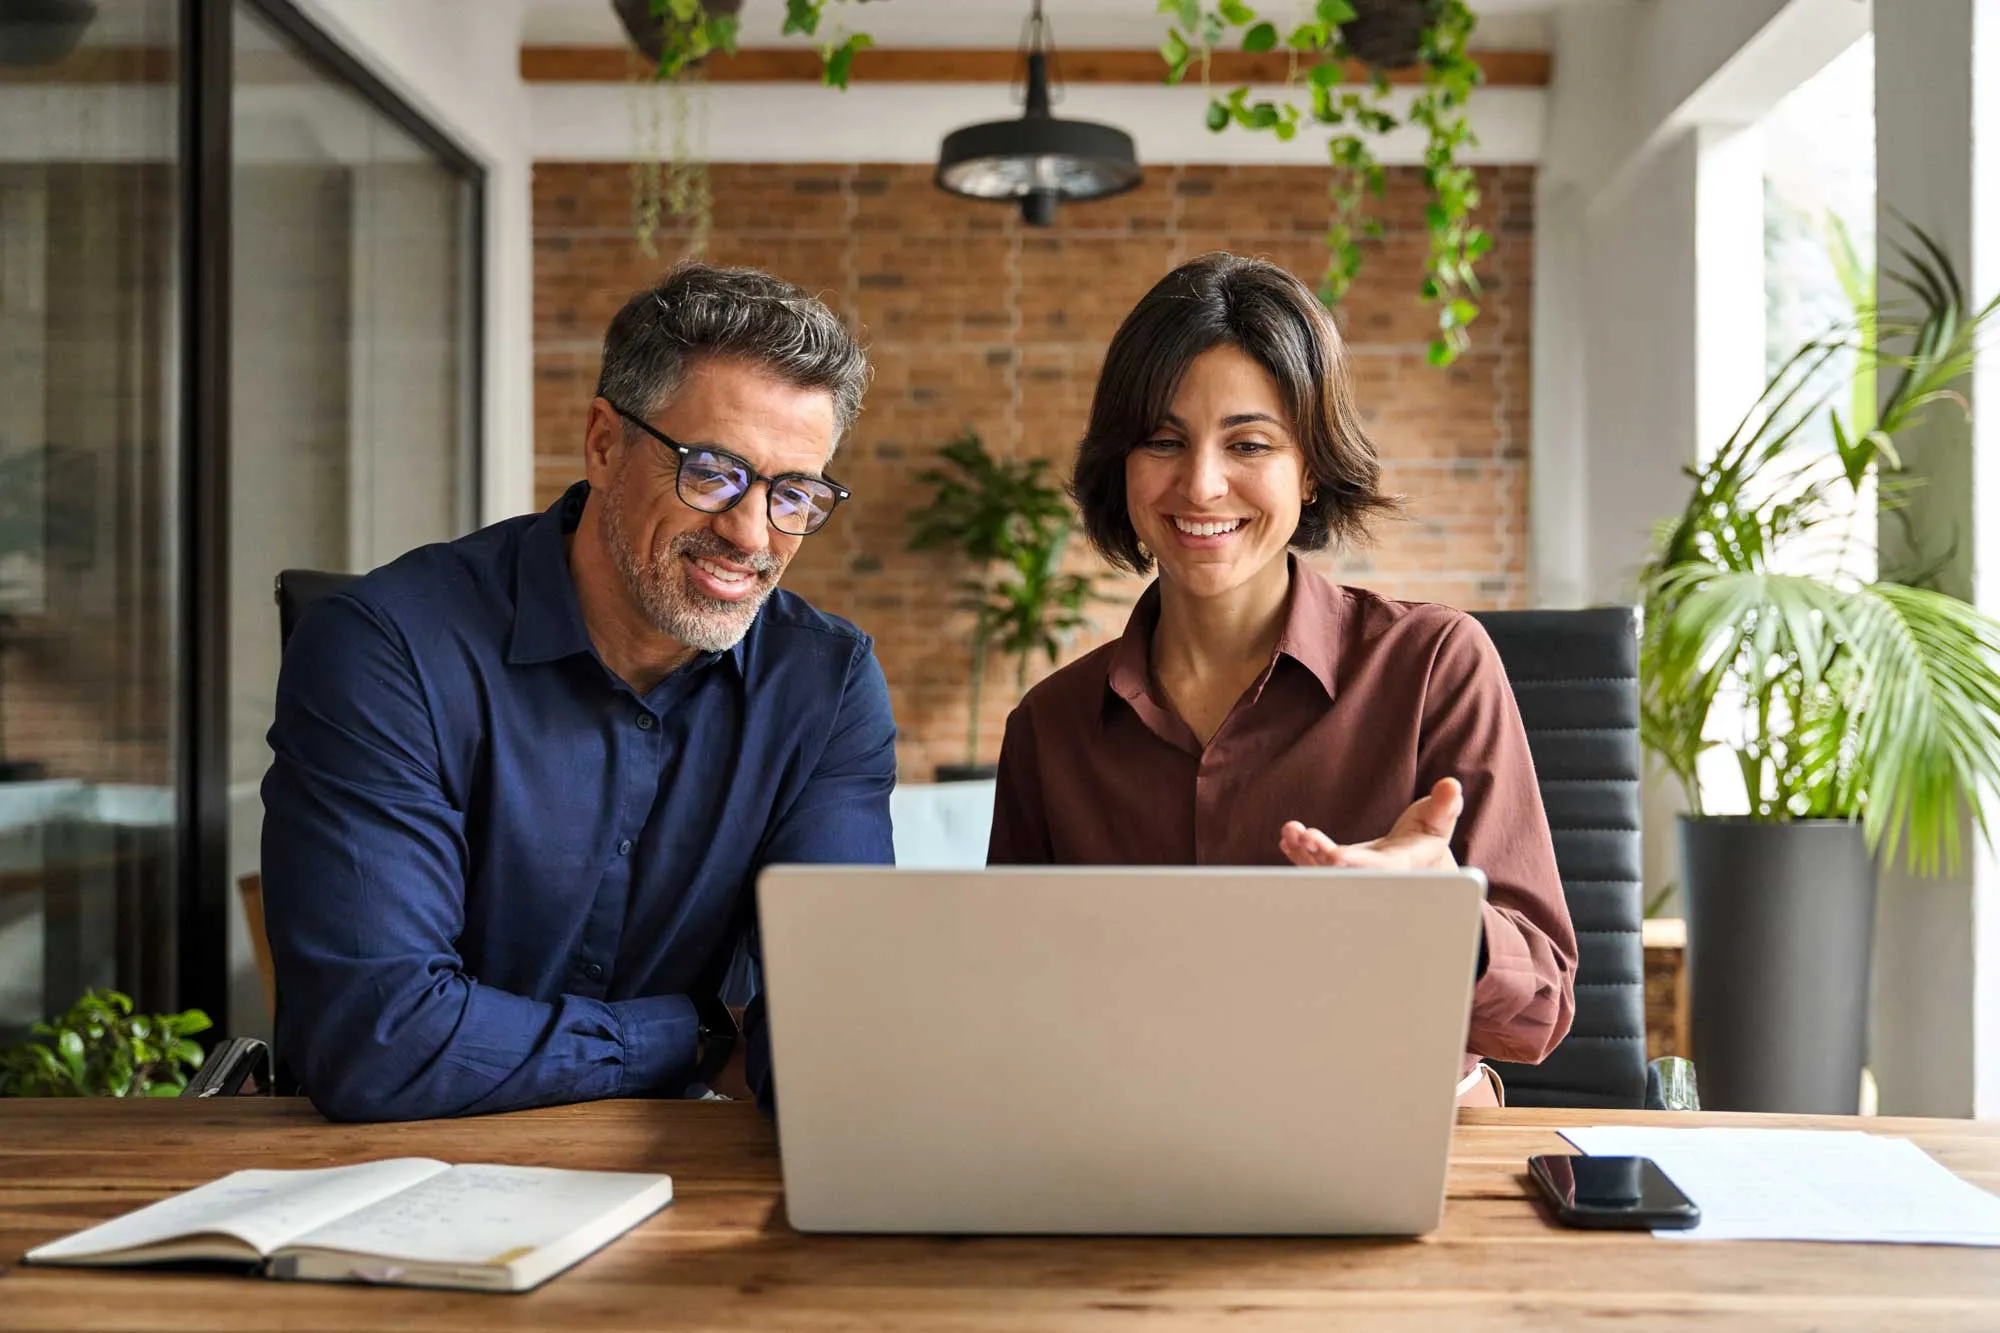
262, 1208
480, 1214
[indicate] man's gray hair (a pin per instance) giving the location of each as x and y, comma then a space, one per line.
700, 310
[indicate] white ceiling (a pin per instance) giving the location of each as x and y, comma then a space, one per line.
1517, 24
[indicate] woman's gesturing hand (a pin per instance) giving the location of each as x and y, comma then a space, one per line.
1420, 840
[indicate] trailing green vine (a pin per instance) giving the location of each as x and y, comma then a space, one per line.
836, 53
669, 169
1356, 113
690, 34
1317, 70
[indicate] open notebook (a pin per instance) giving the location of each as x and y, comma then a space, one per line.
409, 1221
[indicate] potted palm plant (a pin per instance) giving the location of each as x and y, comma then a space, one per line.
1011, 522
1862, 712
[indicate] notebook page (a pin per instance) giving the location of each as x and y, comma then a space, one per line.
481, 1214
1816, 1185
265, 1209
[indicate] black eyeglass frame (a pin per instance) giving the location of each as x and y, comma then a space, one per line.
681, 452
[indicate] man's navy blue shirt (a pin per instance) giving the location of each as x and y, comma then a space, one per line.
492, 872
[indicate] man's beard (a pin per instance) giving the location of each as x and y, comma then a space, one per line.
664, 590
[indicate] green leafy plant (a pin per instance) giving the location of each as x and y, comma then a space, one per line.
677, 35
669, 171
1011, 521
100, 1048
1839, 696
837, 50
1319, 49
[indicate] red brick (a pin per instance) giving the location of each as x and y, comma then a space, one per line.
974, 319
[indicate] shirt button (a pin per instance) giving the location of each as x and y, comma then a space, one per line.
625, 847
645, 721
594, 970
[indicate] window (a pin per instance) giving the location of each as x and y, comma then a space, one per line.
138, 651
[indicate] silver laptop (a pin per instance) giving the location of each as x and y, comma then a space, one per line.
1117, 1050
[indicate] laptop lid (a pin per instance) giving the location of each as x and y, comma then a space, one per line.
1117, 1050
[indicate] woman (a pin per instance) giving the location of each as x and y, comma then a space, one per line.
1254, 712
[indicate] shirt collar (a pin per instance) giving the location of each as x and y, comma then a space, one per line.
1311, 635
548, 619
1132, 655
1312, 629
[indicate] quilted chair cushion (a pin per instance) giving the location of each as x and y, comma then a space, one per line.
1576, 677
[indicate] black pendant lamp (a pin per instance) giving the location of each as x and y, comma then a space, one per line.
1038, 159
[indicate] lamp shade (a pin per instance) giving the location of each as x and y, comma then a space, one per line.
41, 32
1036, 158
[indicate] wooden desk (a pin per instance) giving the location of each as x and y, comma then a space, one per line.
722, 1256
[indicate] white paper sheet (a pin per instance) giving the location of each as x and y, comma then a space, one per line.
481, 1214
264, 1209
1802, 1184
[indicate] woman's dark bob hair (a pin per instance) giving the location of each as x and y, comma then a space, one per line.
1225, 300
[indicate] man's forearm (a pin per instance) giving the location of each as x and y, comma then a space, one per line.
459, 1048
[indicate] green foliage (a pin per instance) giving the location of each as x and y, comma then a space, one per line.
690, 34
1011, 521
100, 1048
1865, 699
1355, 115
671, 178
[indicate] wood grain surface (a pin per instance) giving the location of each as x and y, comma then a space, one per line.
722, 1256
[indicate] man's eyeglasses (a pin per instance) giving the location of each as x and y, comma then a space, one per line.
715, 480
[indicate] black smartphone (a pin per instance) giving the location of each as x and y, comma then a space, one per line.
1612, 1192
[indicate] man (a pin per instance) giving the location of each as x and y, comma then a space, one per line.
524, 781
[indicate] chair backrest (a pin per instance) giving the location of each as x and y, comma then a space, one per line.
297, 589
1576, 677
250, 892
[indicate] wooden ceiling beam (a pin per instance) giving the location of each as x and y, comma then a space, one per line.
617, 64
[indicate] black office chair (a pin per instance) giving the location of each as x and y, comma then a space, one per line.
297, 589
1576, 678
244, 1065
238, 1067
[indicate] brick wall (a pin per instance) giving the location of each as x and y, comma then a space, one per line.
973, 320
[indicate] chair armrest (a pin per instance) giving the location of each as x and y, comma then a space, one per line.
229, 1067
1670, 1085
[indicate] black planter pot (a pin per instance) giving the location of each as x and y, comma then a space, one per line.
967, 772
1781, 923
1387, 33
645, 29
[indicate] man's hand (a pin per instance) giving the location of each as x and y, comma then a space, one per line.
1420, 840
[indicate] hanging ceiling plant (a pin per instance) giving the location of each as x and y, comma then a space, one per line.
670, 161
1382, 35
677, 35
